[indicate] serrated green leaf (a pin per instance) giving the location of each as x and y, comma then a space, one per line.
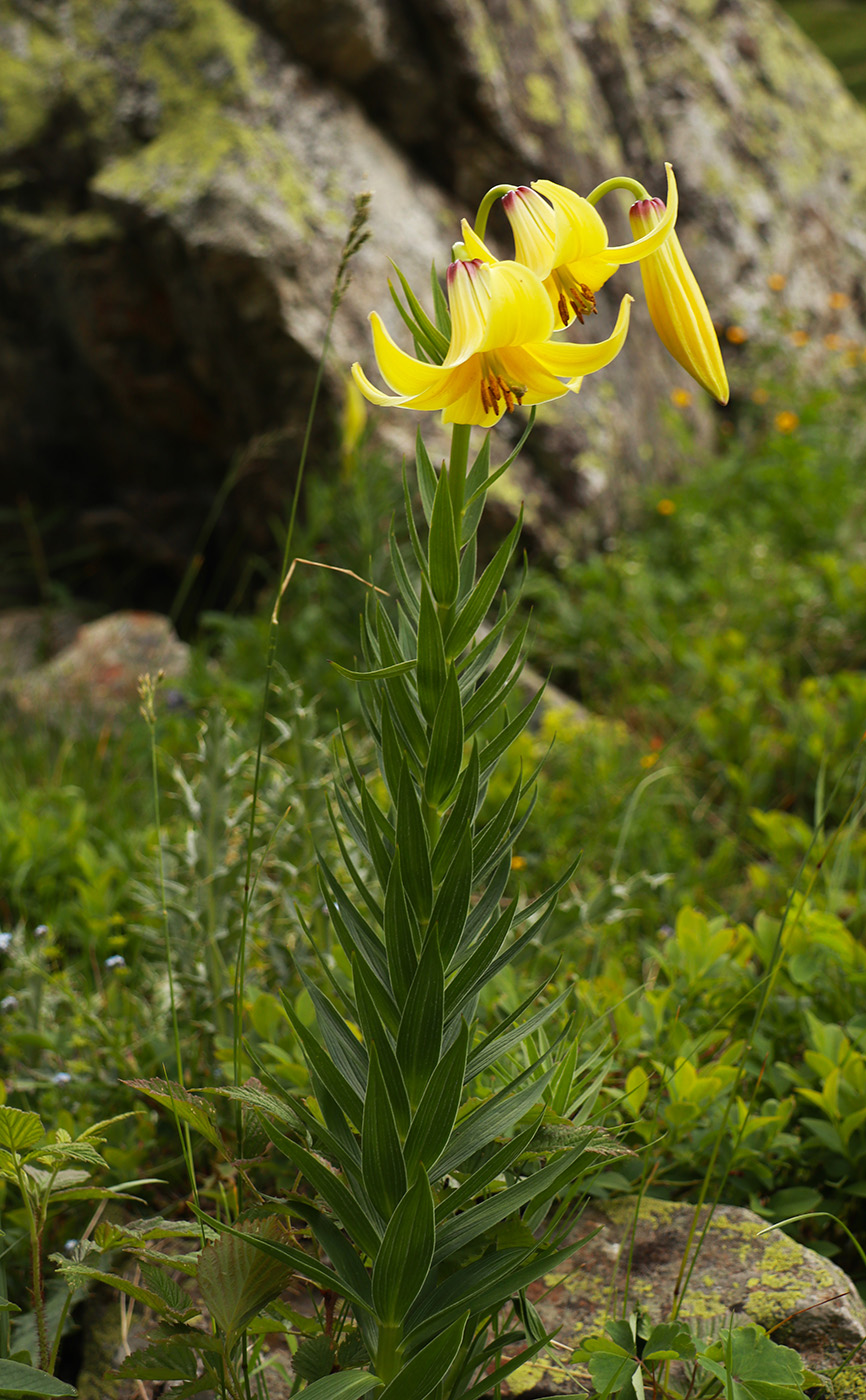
297, 1261
77, 1275
17, 1379
189, 1108
166, 1361
314, 1358
436, 1114
382, 1163
475, 609
413, 847
20, 1130
403, 1262
753, 1366
431, 670
419, 1040
442, 554
446, 745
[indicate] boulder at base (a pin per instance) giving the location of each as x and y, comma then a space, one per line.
740, 1275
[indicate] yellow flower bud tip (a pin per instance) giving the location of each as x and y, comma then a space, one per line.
676, 303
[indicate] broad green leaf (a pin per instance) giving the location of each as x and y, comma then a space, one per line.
302, 1264
189, 1108
668, 1341
17, 1379
431, 670
477, 605
169, 1361
237, 1280
436, 1113
413, 846
401, 933
403, 1262
452, 901
375, 1033
442, 553
753, 1366
343, 1385
419, 1040
423, 1372
20, 1130
446, 745
460, 817
426, 476
380, 673
382, 1162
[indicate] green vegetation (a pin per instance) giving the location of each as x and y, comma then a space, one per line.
711, 940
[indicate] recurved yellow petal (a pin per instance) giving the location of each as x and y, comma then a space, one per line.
494, 305
574, 361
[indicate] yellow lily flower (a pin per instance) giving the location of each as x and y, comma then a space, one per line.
676, 303
500, 354
562, 238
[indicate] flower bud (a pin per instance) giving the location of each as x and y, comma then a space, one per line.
676, 304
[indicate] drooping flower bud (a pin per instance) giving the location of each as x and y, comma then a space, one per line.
676, 304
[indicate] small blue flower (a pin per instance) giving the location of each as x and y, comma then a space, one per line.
40, 930
5, 940
116, 960
69, 1246
9, 1004
61, 1077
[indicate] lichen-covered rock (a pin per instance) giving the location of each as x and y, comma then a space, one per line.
807, 1301
95, 678
178, 177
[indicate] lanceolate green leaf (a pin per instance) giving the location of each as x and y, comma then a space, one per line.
381, 854
436, 1113
475, 479
494, 1118
343, 1385
419, 1042
353, 931
476, 607
331, 1188
403, 1261
319, 1061
504, 1038
413, 847
348, 1055
452, 901
460, 818
381, 1154
381, 673
426, 477
494, 690
18, 1379
442, 554
401, 933
375, 1033
431, 670
493, 751
446, 745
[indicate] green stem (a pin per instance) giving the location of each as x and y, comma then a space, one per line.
388, 1353
457, 468
618, 182
37, 1286
487, 204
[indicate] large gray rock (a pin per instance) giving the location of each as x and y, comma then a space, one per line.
807, 1302
178, 176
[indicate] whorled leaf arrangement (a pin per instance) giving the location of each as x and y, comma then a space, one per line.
433, 1146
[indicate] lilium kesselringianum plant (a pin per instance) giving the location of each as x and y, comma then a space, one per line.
562, 238
500, 353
